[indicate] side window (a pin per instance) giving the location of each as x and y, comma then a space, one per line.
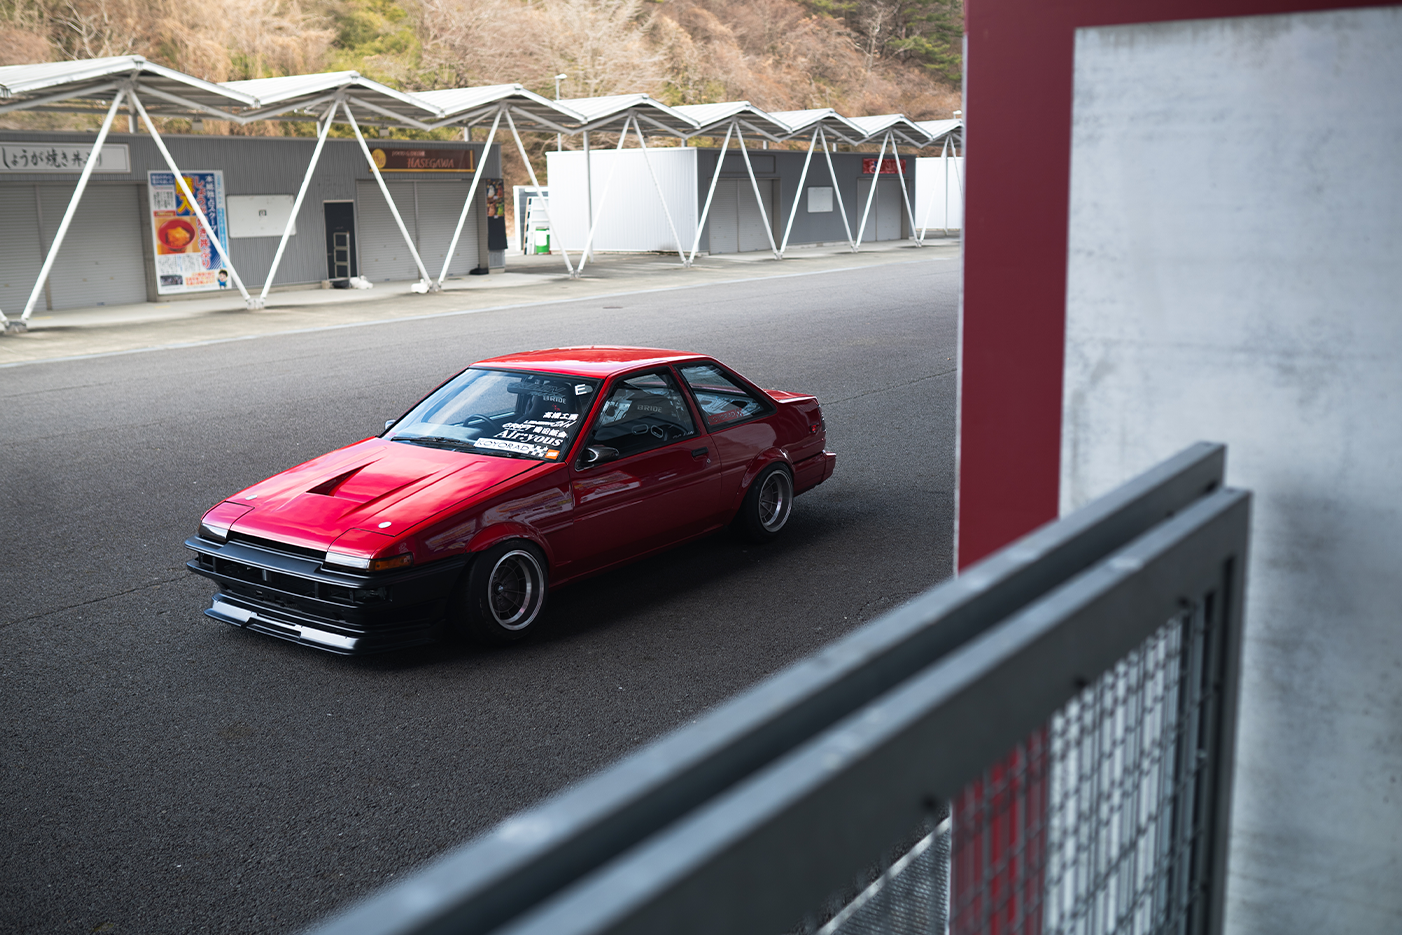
722, 401
642, 412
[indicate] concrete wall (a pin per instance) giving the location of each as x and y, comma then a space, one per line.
1234, 274
258, 166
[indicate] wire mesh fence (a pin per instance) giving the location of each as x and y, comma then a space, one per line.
911, 897
1092, 825
1041, 745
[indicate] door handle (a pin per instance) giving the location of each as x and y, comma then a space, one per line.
699, 452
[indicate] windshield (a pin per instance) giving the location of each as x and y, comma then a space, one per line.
501, 413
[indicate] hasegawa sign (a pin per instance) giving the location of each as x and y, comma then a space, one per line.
186, 260
62, 157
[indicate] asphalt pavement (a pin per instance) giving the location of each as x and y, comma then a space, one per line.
167, 774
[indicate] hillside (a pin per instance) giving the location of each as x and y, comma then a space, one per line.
859, 56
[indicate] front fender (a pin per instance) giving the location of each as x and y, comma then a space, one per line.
500, 532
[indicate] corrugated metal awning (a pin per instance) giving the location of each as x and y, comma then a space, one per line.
611, 112
802, 123
530, 111
300, 97
714, 117
940, 129
88, 85
905, 129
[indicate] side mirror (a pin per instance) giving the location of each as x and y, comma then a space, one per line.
597, 454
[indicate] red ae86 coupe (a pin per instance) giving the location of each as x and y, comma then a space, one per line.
519, 474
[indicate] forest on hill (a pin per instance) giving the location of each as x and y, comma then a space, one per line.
858, 56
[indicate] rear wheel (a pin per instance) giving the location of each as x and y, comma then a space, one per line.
502, 594
767, 505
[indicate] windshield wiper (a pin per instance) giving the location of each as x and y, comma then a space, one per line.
441, 441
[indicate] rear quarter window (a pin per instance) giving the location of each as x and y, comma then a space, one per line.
721, 399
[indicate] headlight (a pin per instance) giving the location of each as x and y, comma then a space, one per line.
342, 560
214, 530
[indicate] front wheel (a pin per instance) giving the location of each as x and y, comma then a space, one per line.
767, 505
502, 594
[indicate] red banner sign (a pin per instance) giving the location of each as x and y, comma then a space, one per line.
888, 166
423, 160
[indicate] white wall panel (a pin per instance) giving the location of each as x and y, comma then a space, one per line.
939, 192
1234, 275
631, 218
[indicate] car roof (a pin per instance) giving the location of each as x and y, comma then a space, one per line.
592, 361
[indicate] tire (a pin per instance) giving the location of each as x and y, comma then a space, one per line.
502, 594
767, 505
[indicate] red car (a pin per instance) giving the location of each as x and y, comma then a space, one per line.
519, 474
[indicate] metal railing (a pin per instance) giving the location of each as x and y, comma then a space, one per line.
1053, 730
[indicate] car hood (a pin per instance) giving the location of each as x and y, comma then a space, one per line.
383, 486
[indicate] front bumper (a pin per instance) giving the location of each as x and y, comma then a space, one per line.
290, 595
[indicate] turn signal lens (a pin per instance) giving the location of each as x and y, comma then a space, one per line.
342, 560
394, 561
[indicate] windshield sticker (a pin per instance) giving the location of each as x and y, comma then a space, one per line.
536, 431
535, 451
582, 389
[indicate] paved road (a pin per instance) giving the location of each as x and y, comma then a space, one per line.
165, 774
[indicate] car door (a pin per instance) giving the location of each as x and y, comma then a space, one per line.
657, 479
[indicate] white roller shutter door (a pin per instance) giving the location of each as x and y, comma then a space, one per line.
101, 261
383, 255
20, 253
430, 212
440, 204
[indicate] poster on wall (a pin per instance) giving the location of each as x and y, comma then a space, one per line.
496, 197
186, 261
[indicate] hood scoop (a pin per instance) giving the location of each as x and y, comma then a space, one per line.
328, 487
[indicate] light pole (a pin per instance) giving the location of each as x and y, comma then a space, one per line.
558, 139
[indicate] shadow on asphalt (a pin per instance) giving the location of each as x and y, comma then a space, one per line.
623, 595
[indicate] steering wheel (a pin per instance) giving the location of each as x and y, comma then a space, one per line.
479, 419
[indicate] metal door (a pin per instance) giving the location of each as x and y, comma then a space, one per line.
340, 240
430, 211
101, 260
887, 218
735, 221
20, 252
752, 235
725, 225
